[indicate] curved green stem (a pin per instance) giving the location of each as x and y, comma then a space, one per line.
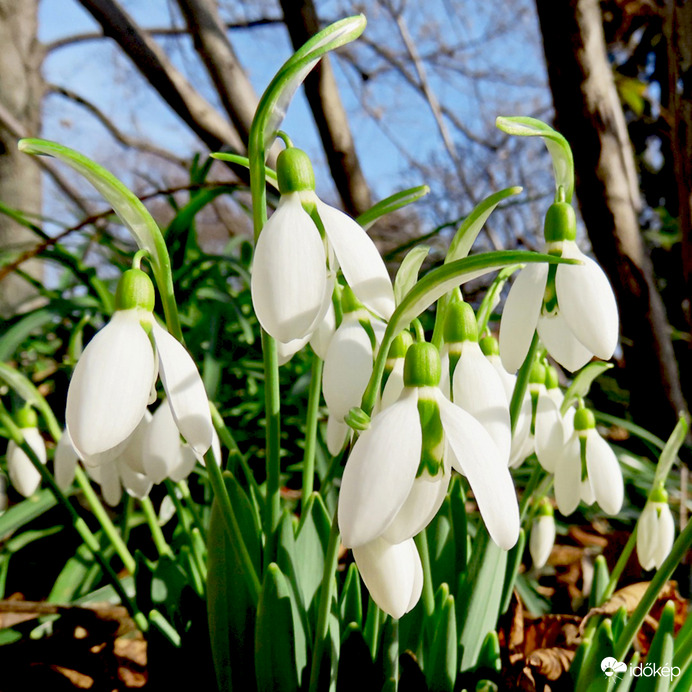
157, 536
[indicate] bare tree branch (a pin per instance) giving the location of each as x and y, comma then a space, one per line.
126, 140
210, 40
332, 123
202, 118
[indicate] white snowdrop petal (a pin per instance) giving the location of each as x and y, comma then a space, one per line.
289, 272
542, 539
285, 352
550, 435
604, 473
136, 484
417, 588
64, 462
186, 463
568, 477
390, 572
561, 344
109, 480
24, 476
359, 259
319, 341
479, 390
586, 299
476, 456
337, 433
347, 368
665, 534
132, 453
161, 446
520, 315
380, 472
394, 385
185, 391
110, 386
421, 505
647, 536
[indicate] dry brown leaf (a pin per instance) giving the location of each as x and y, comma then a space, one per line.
550, 663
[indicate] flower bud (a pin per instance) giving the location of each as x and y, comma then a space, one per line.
422, 366
584, 419
560, 223
135, 290
294, 171
26, 418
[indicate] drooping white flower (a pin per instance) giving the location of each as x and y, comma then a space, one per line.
571, 305
298, 253
348, 366
392, 573
588, 469
413, 442
24, 476
114, 379
655, 531
476, 385
542, 536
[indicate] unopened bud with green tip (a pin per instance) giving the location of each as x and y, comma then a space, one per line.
422, 366
294, 171
490, 346
545, 509
560, 223
357, 419
135, 290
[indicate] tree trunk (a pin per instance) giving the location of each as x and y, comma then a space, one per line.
20, 178
589, 115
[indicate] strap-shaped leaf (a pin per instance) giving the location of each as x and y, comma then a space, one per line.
560, 151
392, 203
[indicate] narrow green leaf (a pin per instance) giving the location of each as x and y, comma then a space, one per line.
601, 577
660, 654
619, 622
351, 605
27, 510
491, 299
670, 451
407, 274
627, 678
442, 546
269, 173
479, 596
312, 538
560, 151
490, 657
275, 658
441, 661
392, 203
591, 676
513, 564
471, 226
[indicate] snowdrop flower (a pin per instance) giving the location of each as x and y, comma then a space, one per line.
588, 469
542, 535
656, 530
392, 573
548, 428
115, 377
348, 366
24, 476
522, 438
298, 252
398, 471
571, 305
476, 385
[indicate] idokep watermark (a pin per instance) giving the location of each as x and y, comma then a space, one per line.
611, 667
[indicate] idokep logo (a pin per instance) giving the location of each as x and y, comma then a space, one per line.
614, 668
611, 666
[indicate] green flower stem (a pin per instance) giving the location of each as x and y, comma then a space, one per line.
325, 605
522, 382
311, 428
162, 547
620, 565
78, 523
228, 441
529, 490
191, 504
421, 541
235, 535
99, 511
664, 573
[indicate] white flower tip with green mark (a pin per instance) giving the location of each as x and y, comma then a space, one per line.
542, 539
655, 534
